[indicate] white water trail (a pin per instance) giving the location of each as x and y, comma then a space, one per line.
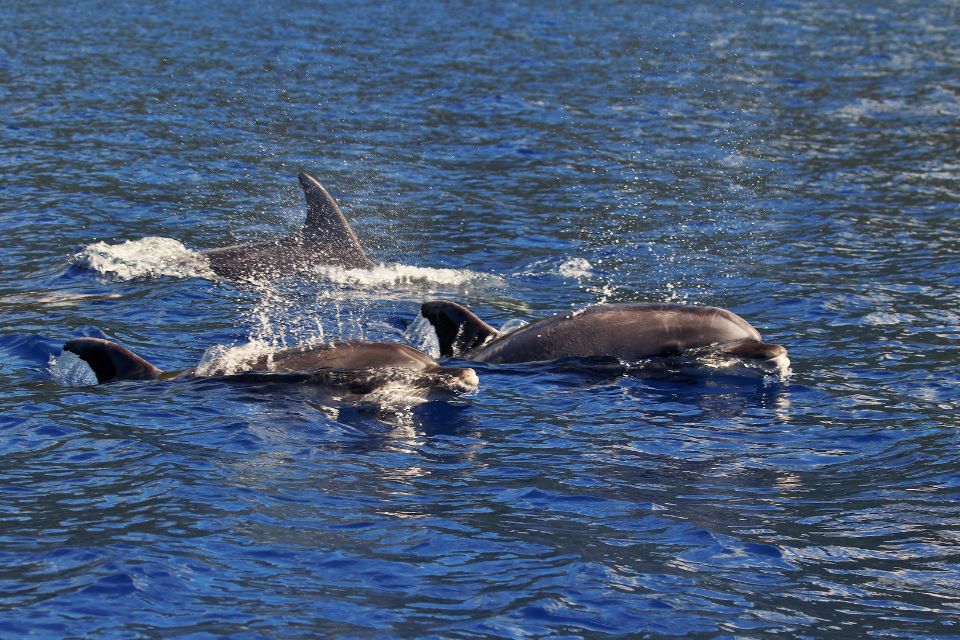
147, 257
407, 277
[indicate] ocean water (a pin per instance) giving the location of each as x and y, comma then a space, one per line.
796, 162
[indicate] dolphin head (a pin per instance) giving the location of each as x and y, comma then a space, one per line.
749, 357
455, 379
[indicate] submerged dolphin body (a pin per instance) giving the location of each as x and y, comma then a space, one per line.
357, 366
325, 238
681, 335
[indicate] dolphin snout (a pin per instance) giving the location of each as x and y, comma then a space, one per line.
468, 379
460, 379
756, 350
778, 364
762, 356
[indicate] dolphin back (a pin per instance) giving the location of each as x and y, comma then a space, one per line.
629, 332
348, 355
110, 361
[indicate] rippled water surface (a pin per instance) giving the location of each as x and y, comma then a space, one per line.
795, 162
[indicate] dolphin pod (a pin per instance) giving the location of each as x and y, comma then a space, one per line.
355, 365
672, 335
632, 332
325, 238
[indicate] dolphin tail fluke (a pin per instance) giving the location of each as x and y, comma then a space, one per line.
110, 361
327, 226
458, 329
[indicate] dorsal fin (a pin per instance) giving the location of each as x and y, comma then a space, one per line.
110, 361
326, 224
459, 330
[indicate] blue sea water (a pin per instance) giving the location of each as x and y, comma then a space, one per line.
796, 162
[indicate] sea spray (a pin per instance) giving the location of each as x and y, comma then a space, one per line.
147, 257
407, 277
70, 370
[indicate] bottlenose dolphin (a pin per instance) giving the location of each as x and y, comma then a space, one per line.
325, 238
631, 333
355, 365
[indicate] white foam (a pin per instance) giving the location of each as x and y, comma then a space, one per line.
226, 360
397, 396
403, 276
406, 388
54, 298
147, 257
70, 370
578, 268
777, 371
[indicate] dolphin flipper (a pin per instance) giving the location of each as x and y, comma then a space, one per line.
110, 361
327, 226
458, 329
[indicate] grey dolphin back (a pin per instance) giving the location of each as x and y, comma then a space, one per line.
459, 330
328, 228
347, 354
110, 361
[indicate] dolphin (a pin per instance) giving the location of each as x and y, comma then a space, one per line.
355, 365
325, 238
631, 333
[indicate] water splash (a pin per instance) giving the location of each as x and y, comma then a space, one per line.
402, 276
294, 311
512, 325
226, 360
673, 294
70, 370
406, 392
578, 268
147, 257
777, 371
421, 335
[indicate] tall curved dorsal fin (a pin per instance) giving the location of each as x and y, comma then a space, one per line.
110, 361
459, 330
326, 224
